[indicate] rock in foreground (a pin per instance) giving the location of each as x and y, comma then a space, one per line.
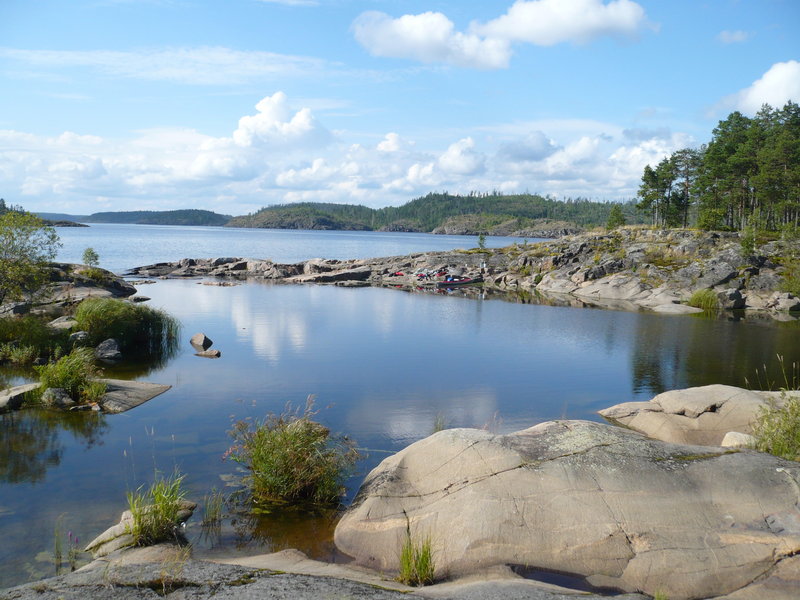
699, 415
589, 499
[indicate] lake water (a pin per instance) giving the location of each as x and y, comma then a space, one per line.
122, 247
384, 365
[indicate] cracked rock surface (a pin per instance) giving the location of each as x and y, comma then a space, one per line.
698, 415
593, 500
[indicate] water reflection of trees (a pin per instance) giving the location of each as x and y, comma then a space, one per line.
678, 352
31, 444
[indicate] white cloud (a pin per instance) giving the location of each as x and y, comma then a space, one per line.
428, 37
275, 126
549, 22
462, 159
733, 37
277, 153
431, 37
198, 66
776, 87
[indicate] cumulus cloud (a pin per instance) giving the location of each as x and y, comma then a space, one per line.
776, 87
428, 37
431, 37
549, 22
732, 37
275, 125
275, 152
462, 159
534, 146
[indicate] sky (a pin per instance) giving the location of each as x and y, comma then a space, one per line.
236, 105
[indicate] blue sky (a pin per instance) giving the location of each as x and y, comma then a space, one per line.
235, 105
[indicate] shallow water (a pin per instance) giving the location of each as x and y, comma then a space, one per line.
383, 364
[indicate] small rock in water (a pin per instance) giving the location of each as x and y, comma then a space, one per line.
108, 351
209, 354
57, 397
201, 341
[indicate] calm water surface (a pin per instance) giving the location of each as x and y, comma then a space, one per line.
123, 247
383, 365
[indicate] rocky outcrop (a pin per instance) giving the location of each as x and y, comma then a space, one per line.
630, 269
699, 415
108, 351
121, 395
593, 500
14, 398
119, 536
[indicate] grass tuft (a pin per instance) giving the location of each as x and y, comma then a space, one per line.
777, 429
416, 561
136, 327
155, 510
73, 372
292, 458
705, 299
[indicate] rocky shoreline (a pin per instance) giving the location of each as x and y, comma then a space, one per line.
629, 269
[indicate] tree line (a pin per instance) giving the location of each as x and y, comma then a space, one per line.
748, 175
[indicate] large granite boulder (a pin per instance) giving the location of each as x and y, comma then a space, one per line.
588, 499
699, 415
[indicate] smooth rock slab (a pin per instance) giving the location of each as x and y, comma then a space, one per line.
12, 398
123, 395
699, 415
584, 498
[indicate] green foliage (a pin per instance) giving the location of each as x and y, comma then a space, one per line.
417, 566
213, 504
155, 510
292, 458
160, 217
482, 241
135, 326
73, 372
26, 246
90, 257
431, 211
777, 429
616, 218
21, 336
705, 299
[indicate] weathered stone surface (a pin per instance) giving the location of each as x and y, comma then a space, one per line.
118, 536
730, 299
79, 337
57, 398
12, 398
735, 439
122, 395
784, 302
201, 341
677, 309
699, 415
584, 498
108, 350
64, 322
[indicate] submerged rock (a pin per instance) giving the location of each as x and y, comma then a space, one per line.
589, 499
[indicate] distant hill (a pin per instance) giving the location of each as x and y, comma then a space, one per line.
160, 217
486, 213
61, 217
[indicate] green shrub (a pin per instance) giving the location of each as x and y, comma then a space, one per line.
292, 458
155, 511
777, 429
416, 562
32, 332
72, 373
705, 299
18, 354
790, 277
134, 326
